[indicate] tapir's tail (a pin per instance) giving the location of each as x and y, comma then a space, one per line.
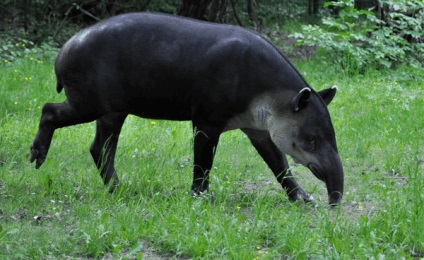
59, 87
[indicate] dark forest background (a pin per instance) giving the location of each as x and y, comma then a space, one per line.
39, 20
353, 33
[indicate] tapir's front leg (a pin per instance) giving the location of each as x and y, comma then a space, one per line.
205, 143
277, 162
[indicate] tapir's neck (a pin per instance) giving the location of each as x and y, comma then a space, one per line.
258, 115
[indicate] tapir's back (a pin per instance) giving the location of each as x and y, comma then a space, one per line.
147, 39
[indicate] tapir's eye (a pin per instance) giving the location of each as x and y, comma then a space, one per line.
312, 141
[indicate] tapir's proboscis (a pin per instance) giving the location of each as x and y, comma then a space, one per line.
221, 77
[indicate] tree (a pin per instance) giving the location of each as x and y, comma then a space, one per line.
206, 10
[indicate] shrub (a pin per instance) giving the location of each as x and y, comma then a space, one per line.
357, 39
16, 47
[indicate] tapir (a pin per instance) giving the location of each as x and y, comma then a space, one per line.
220, 77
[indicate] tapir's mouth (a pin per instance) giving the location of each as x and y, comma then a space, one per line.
296, 160
333, 178
316, 171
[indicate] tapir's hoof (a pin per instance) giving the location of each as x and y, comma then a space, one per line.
197, 193
202, 194
199, 189
113, 188
302, 195
308, 199
335, 199
37, 155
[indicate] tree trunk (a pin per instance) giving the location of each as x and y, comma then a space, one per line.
251, 10
316, 7
206, 10
313, 7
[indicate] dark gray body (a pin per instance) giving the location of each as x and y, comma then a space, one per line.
218, 76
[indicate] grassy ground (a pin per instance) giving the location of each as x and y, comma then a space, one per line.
63, 210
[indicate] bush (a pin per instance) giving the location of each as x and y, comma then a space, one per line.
357, 39
16, 47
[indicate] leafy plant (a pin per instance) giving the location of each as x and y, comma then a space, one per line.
357, 39
13, 48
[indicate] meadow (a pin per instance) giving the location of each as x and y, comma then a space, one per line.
63, 211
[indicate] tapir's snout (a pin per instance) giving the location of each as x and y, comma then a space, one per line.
332, 175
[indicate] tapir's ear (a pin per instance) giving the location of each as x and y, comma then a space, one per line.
328, 94
301, 99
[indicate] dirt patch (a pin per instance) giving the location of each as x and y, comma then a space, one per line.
355, 209
146, 251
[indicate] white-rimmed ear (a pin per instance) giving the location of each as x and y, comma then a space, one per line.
328, 94
301, 99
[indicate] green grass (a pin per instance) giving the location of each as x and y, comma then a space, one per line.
64, 211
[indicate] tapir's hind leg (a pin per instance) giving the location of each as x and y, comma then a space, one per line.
277, 162
104, 146
55, 116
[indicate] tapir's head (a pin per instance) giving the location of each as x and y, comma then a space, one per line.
302, 128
